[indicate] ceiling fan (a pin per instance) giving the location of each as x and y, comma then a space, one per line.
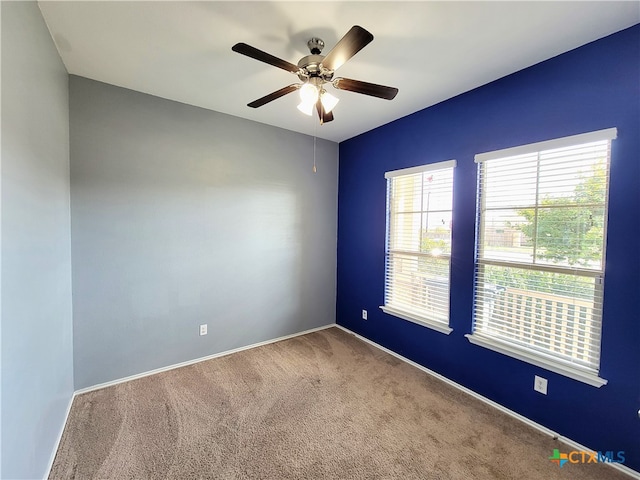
316, 70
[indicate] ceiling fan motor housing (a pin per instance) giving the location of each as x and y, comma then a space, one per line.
310, 66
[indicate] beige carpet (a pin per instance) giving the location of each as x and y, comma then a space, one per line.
321, 406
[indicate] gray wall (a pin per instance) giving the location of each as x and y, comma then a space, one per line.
182, 216
37, 364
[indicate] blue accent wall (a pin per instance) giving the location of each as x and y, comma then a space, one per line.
590, 88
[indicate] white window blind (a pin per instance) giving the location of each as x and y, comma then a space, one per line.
418, 249
540, 252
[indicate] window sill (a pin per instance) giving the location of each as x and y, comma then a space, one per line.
425, 322
538, 360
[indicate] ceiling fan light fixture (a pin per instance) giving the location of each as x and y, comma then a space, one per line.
309, 94
306, 107
328, 101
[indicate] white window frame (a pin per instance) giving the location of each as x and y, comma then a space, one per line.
540, 359
425, 321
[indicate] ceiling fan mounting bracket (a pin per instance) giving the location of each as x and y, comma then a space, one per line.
315, 45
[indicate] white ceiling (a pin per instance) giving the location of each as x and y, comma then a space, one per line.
430, 50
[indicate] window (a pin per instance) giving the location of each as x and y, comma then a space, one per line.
540, 253
418, 249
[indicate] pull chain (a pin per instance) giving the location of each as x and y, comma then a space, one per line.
315, 133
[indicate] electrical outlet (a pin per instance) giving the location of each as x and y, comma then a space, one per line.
203, 329
364, 314
540, 385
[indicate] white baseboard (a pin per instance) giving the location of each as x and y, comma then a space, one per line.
57, 442
567, 441
196, 360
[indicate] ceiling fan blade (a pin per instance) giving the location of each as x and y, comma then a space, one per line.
273, 96
322, 114
354, 40
253, 52
380, 91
